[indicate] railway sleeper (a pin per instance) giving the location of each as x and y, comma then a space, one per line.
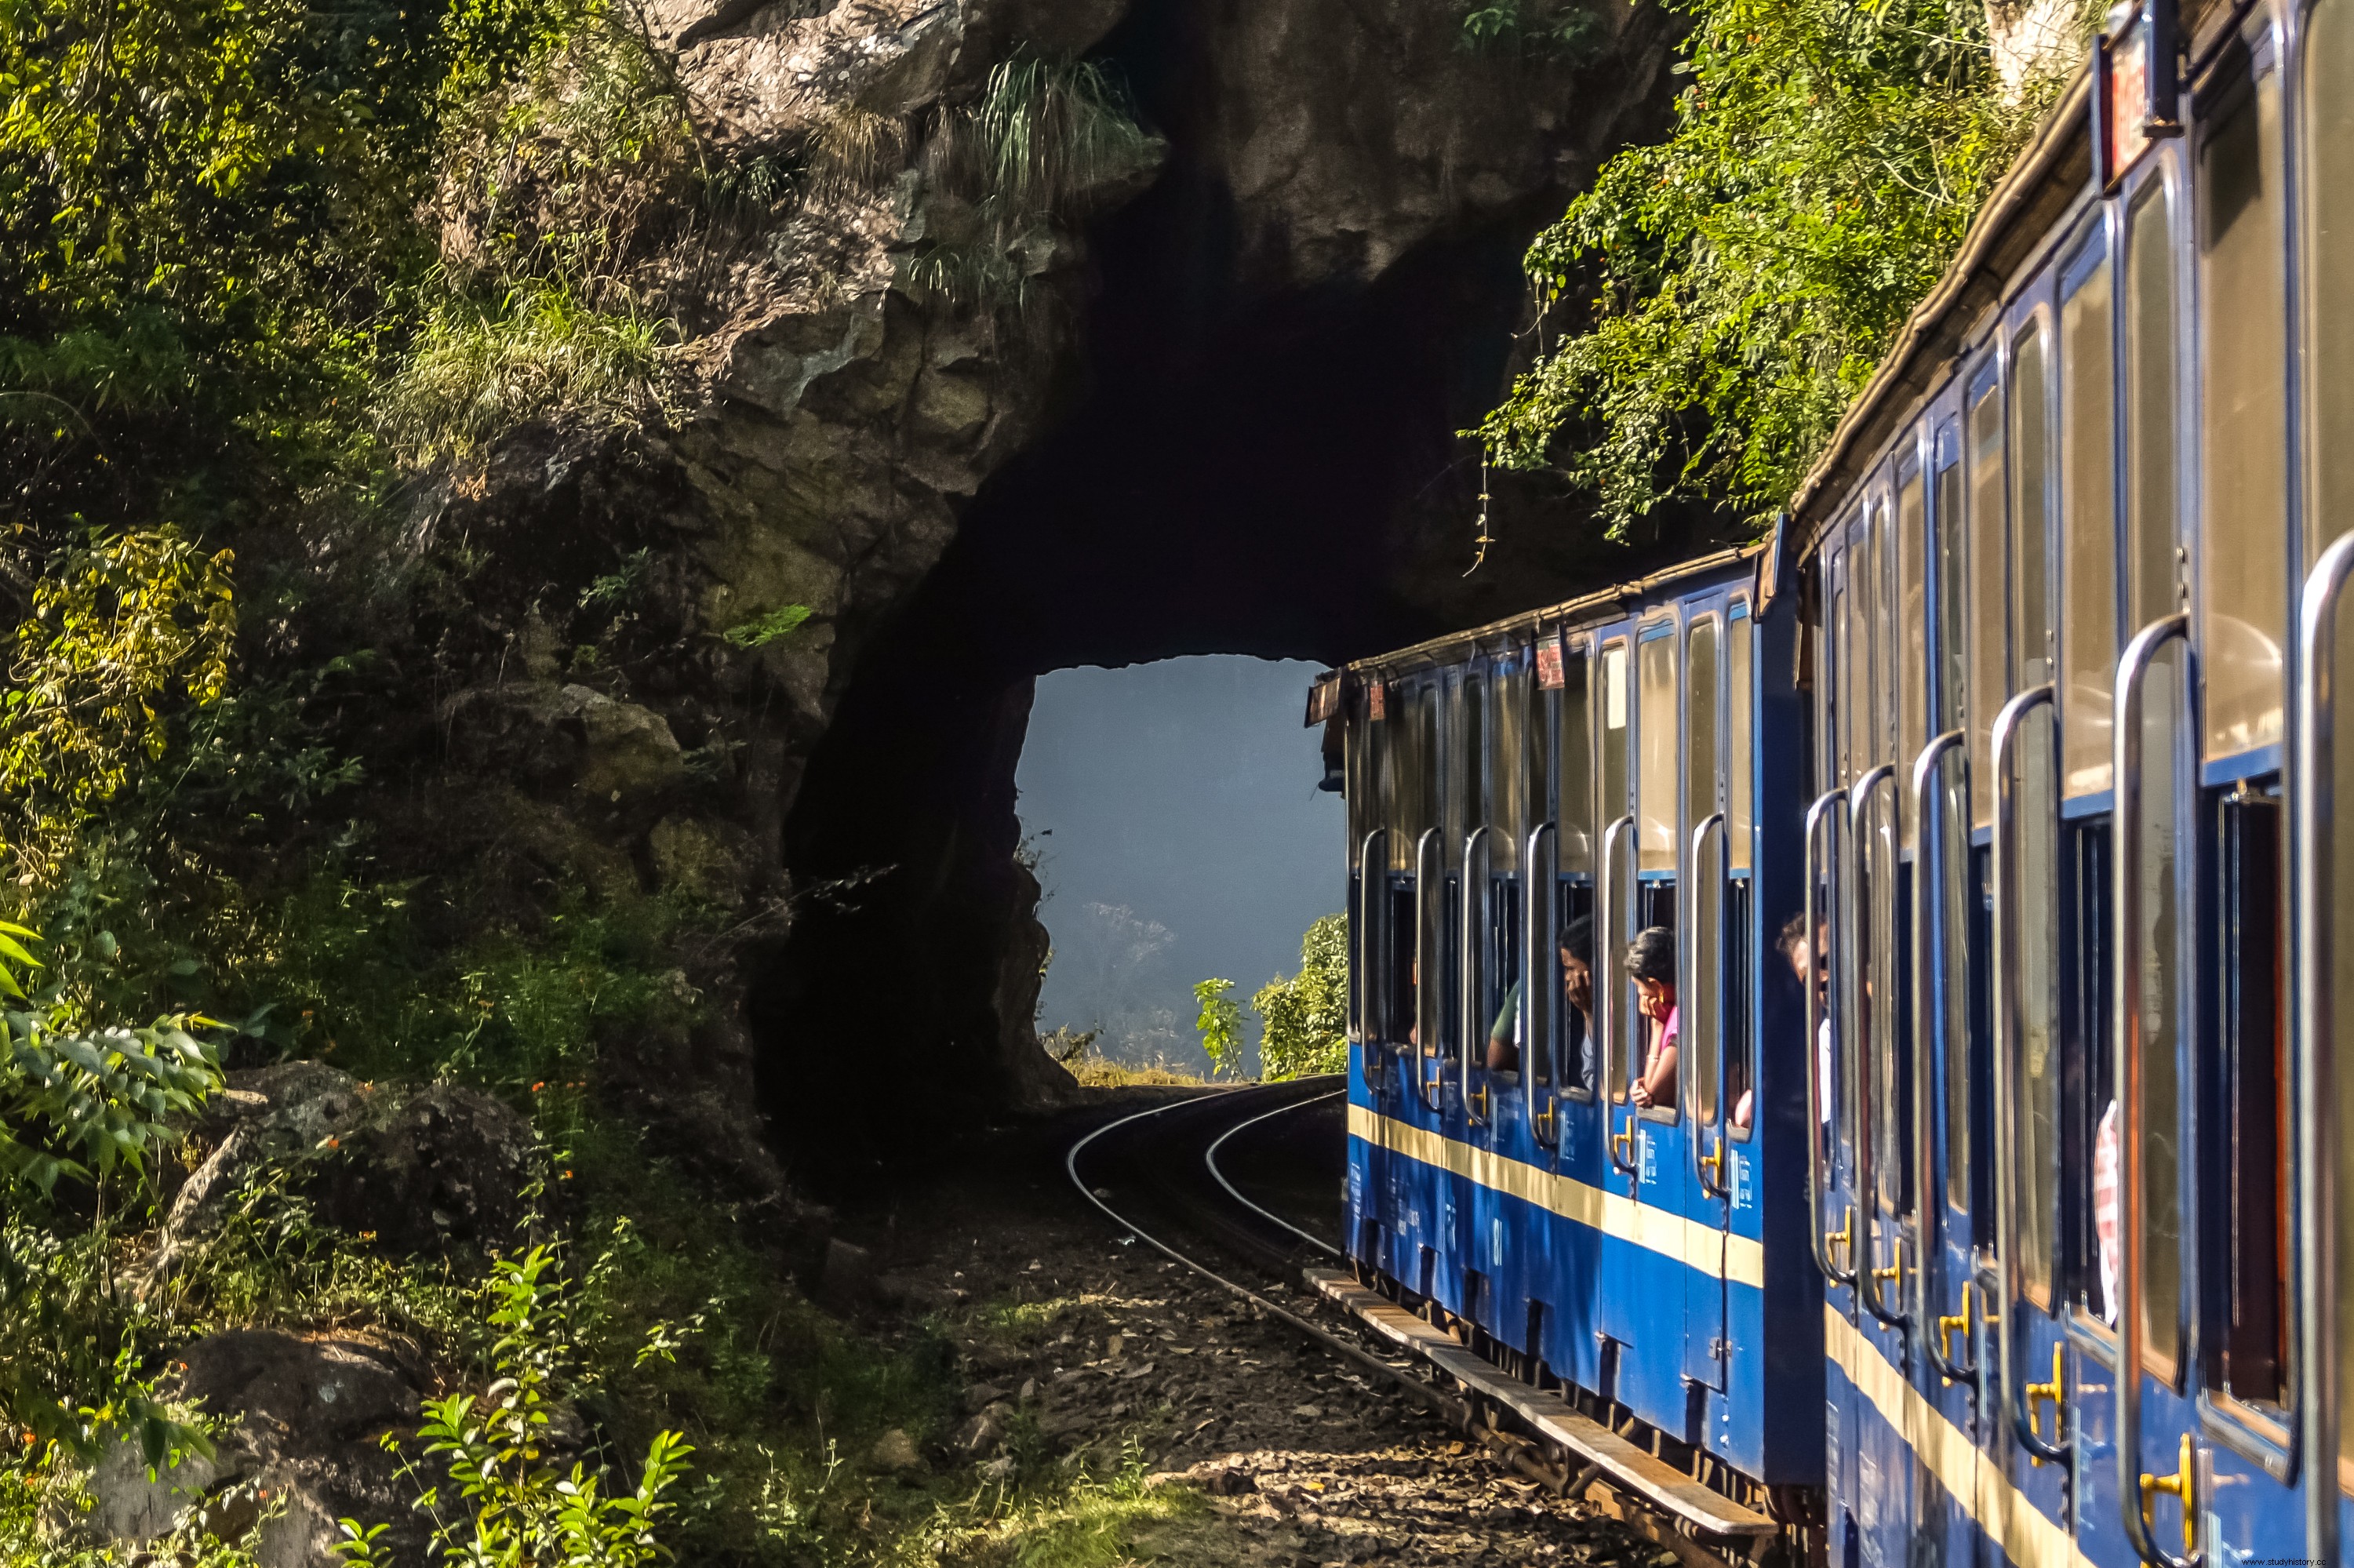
1569, 1451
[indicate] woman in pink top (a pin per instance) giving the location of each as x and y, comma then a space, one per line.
1652, 965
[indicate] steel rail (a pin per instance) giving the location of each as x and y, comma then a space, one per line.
1209, 1158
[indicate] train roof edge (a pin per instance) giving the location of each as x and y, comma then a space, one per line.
1603, 604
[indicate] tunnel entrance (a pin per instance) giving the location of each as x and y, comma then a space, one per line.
1250, 458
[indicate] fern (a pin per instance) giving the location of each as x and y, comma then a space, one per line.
763, 630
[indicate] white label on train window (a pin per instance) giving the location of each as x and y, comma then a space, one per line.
1614, 685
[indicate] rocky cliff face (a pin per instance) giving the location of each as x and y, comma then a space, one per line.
1203, 402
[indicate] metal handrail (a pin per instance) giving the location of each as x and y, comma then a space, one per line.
2313, 777
2007, 1029
1539, 993
1819, 816
1928, 1204
1688, 960
1429, 887
1471, 979
1373, 908
2137, 1487
1609, 993
1860, 797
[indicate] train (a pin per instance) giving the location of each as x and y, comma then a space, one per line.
1998, 1209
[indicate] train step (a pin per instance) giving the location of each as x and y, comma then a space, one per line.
1625, 1466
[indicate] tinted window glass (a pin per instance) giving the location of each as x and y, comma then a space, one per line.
2243, 464
2088, 559
1658, 724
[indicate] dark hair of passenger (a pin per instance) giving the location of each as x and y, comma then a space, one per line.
1794, 931
1578, 938
1651, 956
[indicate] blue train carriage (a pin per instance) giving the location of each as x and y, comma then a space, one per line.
1522, 799
2069, 573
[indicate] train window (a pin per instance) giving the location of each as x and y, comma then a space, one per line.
1656, 829
2088, 555
1953, 645
2030, 505
2088, 1071
1609, 934
1574, 771
1471, 754
1844, 659
2150, 423
1740, 785
1740, 826
1509, 757
1880, 611
2253, 1226
1913, 620
1990, 594
2243, 448
2327, 219
2153, 591
1700, 1017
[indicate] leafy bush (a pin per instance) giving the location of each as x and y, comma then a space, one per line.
1559, 30
1304, 1021
520, 1509
1220, 1022
1728, 291
124, 629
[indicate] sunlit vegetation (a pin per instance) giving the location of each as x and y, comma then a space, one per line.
1710, 306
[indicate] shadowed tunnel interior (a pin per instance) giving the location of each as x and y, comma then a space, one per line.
1233, 469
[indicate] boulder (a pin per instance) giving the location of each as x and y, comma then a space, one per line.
307, 1416
412, 1169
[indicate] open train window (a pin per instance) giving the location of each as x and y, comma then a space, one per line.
2243, 409
2088, 1075
2249, 1292
1702, 1012
1610, 930
2088, 557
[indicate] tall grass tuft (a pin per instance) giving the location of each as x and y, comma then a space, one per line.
474, 373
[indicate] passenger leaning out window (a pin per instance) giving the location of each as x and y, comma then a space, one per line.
1652, 965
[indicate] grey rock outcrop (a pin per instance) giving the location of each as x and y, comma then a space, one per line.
305, 1416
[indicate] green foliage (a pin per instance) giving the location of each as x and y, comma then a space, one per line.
124, 628
774, 627
518, 1508
476, 372
1558, 30
1220, 1022
1304, 1021
1730, 288
1042, 142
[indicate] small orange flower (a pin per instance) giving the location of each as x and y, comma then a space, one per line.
537, 1087
334, 1143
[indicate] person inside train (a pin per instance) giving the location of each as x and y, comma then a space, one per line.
1810, 962
1576, 989
1652, 965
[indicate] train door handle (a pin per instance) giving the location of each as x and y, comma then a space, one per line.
1947, 1326
1843, 1239
2183, 1485
1624, 1142
2054, 1393
1714, 1162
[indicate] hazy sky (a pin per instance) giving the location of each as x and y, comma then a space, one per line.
1188, 840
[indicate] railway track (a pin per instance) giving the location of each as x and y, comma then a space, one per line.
1241, 1187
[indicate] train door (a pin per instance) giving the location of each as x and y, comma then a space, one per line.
1884, 650
2324, 974
1492, 956
2057, 427
1700, 995
1831, 1224
1574, 1126
1623, 1308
